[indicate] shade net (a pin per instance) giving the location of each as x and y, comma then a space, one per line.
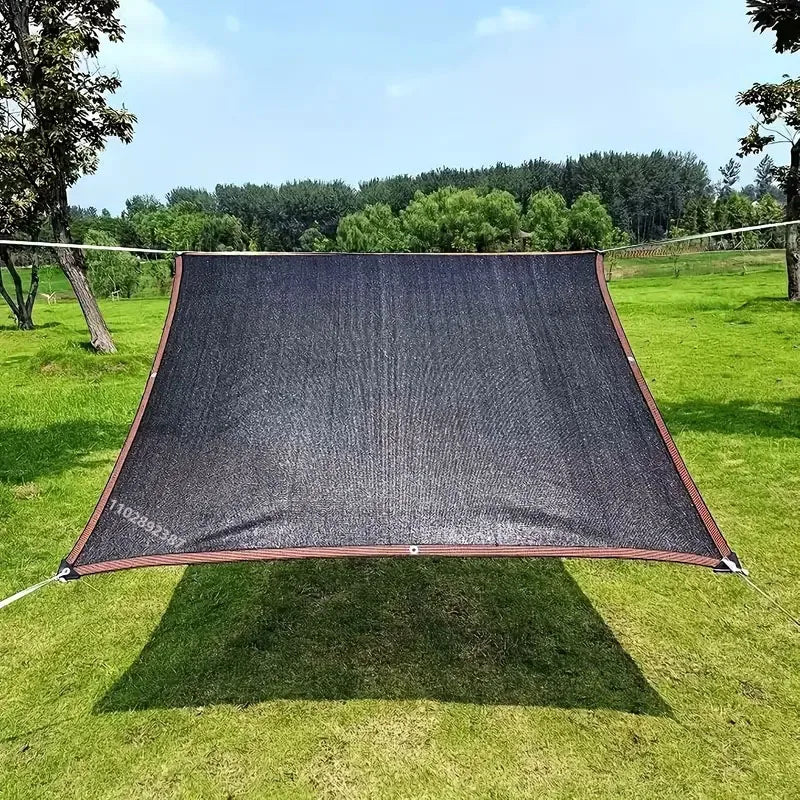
329, 404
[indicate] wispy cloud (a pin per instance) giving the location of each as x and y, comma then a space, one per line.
153, 47
509, 20
232, 24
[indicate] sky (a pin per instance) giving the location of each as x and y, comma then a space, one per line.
267, 91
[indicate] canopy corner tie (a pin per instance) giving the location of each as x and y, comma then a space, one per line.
59, 576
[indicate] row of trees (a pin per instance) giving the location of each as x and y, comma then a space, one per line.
735, 210
644, 196
465, 220
642, 193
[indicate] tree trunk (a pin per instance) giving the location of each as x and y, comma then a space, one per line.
792, 234
74, 267
22, 307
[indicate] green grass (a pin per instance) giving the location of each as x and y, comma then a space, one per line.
689, 264
421, 679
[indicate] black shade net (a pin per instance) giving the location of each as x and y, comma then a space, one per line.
470, 405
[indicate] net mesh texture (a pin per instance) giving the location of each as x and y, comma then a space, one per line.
316, 401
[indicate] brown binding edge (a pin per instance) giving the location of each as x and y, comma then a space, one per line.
101, 503
396, 550
694, 493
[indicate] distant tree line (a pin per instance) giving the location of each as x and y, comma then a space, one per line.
643, 194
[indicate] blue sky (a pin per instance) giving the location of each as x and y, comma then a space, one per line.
269, 91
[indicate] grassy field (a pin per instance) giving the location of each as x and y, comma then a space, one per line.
410, 679
690, 264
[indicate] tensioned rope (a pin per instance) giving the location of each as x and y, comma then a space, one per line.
70, 246
697, 236
31, 589
657, 243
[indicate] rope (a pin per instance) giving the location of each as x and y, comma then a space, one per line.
771, 599
696, 236
66, 246
31, 589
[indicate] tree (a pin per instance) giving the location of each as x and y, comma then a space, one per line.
21, 211
183, 227
375, 229
201, 199
55, 116
765, 176
547, 221
141, 202
461, 220
768, 211
110, 272
301, 205
736, 211
255, 206
590, 225
730, 177
779, 104
782, 17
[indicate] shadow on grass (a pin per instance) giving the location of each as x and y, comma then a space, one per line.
770, 303
27, 454
736, 417
37, 327
515, 632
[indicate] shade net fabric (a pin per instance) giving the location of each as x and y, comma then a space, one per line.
330, 404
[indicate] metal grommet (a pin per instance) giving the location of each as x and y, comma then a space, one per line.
413, 550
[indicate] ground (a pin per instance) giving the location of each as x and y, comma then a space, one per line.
423, 679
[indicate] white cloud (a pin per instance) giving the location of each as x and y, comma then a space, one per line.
153, 46
509, 20
232, 24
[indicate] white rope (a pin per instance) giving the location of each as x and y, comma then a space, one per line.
772, 600
31, 589
64, 246
697, 236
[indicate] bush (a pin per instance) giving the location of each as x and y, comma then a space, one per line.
110, 272
462, 220
156, 276
375, 229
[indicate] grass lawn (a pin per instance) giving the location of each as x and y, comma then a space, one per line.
410, 679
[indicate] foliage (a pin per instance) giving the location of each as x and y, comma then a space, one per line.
773, 103
461, 220
589, 224
375, 229
301, 205
765, 176
54, 115
547, 221
156, 274
182, 227
765, 212
642, 192
730, 177
188, 196
782, 17
253, 206
119, 228
110, 272
141, 202
314, 241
